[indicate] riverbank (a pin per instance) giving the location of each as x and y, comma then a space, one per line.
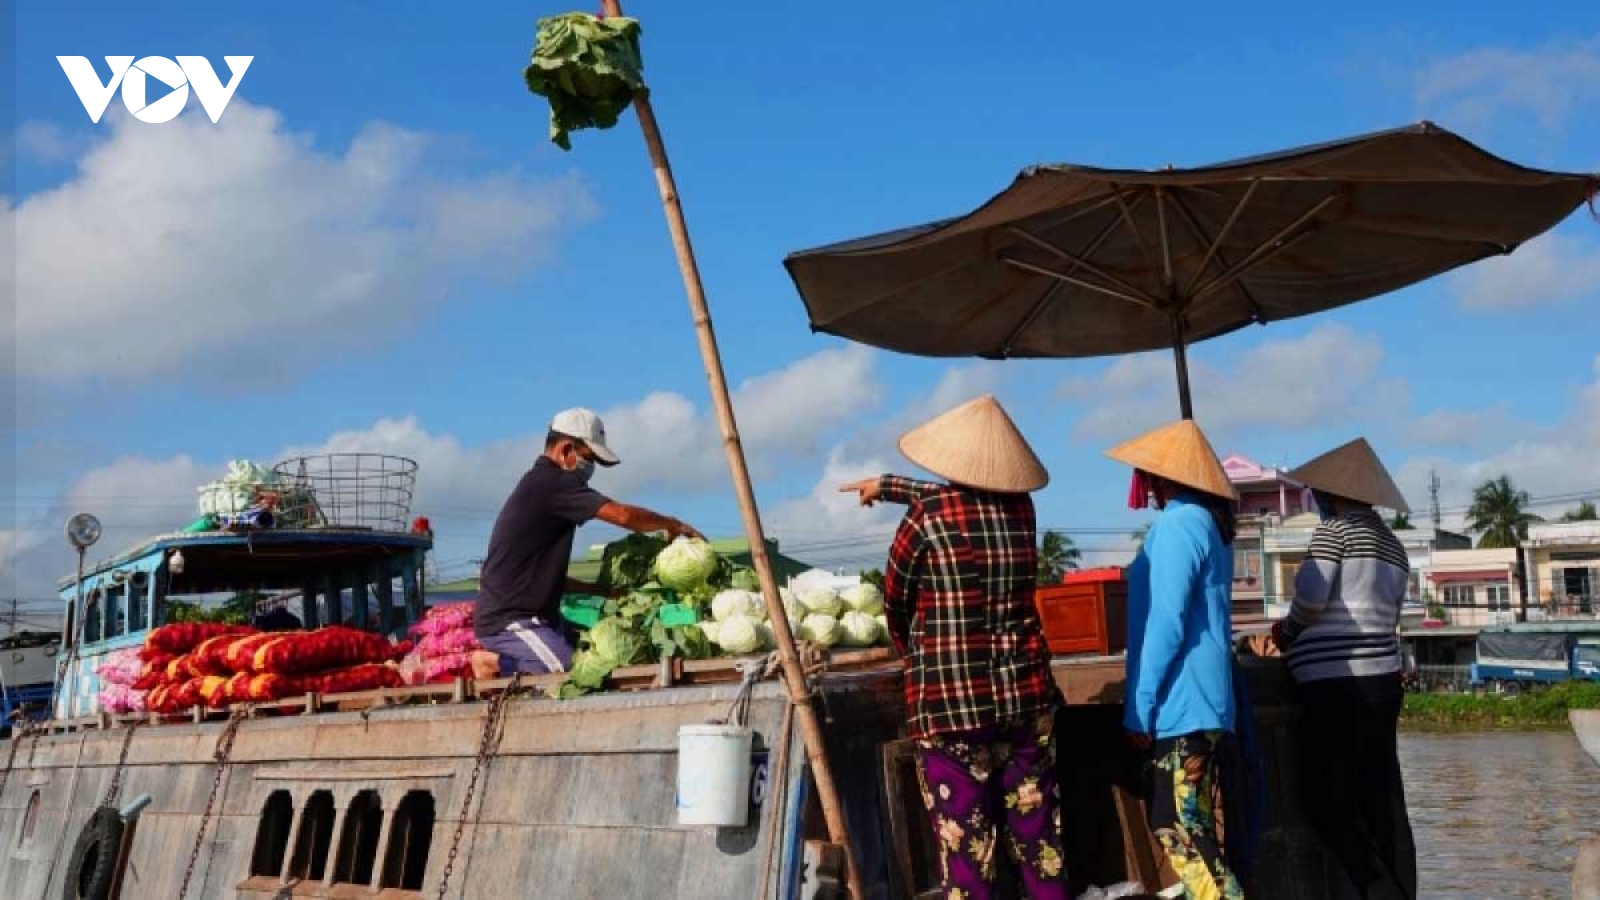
1545, 708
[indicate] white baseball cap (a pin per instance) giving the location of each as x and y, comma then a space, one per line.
583, 425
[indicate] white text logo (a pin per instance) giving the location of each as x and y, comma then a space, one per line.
187, 72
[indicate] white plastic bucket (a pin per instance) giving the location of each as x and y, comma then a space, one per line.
714, 775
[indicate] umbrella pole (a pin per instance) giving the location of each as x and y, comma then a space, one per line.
1180, 353
794, 676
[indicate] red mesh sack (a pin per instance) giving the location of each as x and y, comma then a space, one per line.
210, 691
181, 637
365, 677
154, 672
334, 647
209, 656
241, 653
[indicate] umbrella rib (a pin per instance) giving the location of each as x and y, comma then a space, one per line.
1166, 242
1215, 247
1127, 218
1269, 248
1050, 294
1086, 285
1033, 314
1079, 262
1200, 235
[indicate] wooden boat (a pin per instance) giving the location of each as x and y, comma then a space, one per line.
1586, 724
396, 793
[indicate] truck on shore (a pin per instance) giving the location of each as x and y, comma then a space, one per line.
1512, 660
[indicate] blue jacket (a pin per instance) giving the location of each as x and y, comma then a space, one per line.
1180, 658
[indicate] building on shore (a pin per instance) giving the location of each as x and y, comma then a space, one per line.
1476, 588
1267, 496
1561, 563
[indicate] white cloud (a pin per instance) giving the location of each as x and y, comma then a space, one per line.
1460, 427
827, 527
1551, 83
1331, 373
831, 528
1552, 268
1552, 460
196, 247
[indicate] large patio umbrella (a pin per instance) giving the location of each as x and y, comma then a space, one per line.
1076, 261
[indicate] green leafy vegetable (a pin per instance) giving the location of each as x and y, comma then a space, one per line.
626, 563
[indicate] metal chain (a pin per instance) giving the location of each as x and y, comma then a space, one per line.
18, 732
223, 751
488, 742
114, 790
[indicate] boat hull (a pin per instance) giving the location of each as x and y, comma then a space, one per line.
1586, 724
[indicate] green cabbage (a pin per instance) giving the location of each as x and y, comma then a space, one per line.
860, 630
820, 601
736, 602
686, 564
626, 562
588, 673
740, 634
745, 580
710, 630
614, 642
821, 629
863, 598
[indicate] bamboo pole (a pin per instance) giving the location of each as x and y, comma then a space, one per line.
793, 672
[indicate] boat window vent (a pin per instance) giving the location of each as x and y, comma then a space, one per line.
410, 839
316, 834
272, 834
358, 841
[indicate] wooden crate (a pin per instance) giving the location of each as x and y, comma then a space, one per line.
1086, 613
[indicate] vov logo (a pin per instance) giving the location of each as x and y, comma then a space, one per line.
133, 78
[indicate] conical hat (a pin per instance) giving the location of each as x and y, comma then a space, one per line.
1353, 471
1178, 452
976, 444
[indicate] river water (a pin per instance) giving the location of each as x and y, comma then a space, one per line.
1499, 815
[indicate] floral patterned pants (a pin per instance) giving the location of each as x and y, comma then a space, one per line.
1186, 813
986, 787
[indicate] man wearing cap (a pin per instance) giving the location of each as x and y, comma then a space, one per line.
958, 597
517, 614
1344, 655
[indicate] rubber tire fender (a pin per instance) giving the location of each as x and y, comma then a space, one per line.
94, 857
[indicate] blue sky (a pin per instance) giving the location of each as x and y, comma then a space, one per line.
378, 247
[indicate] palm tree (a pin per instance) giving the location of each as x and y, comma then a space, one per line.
1499, 513
1057, 554
1584, 513
1400, 522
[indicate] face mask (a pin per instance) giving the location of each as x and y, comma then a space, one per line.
584, 470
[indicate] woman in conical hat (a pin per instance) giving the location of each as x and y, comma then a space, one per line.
1343, 652
958, 596
1179, 702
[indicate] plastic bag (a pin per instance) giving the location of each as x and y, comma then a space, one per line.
181, 637
121, 667
443, 618
1114, 892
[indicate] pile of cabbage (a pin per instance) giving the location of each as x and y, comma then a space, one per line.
659, 581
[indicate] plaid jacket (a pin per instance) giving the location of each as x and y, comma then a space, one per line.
958, 595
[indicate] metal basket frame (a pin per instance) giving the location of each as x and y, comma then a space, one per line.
366, 491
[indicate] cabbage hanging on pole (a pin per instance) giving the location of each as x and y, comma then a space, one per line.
588, 68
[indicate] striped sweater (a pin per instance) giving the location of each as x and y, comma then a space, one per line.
1347, 599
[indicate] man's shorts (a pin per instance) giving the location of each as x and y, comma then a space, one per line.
528, 645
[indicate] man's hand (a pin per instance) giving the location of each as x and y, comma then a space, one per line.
1140, 740
677, 528
868, 488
